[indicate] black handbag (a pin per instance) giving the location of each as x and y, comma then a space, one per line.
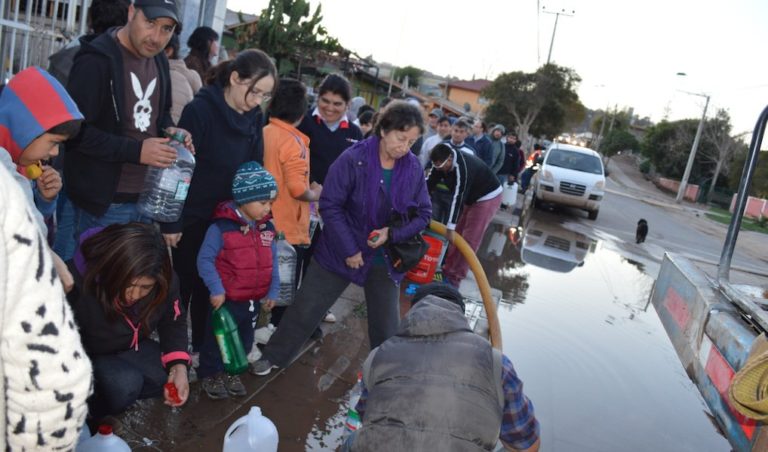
405, 255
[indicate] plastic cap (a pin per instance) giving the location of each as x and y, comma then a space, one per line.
105, 429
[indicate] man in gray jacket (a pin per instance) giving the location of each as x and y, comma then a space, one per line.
497, 147
417, 396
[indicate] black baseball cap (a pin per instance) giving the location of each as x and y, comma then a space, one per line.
154, 9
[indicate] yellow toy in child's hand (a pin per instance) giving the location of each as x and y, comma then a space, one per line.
34, 171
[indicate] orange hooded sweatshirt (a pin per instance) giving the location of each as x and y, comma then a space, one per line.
286, 157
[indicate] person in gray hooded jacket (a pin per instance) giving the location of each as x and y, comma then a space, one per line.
417, 396
497, 147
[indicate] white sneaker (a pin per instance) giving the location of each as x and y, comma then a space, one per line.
329, 318
255, 354
262, 335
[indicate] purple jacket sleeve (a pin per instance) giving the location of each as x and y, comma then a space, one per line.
336, 189
424, 209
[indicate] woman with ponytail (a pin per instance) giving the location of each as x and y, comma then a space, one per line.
226, 119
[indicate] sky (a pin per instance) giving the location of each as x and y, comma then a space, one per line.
627, 53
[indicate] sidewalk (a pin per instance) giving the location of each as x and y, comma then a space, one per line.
312, 389
633, 183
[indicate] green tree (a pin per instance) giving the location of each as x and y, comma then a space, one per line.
724, 146
668, 145
520, 99
287, 32
414, 75
618, 140
619, 119
759, 187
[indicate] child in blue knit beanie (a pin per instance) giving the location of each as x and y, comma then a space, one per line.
238, 263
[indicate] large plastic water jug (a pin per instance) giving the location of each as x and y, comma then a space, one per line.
165, 189
252, 432
286, 259
103, 441
509, 194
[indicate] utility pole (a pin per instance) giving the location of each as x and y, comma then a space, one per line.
602, 127
613, 118
557, 14
694, 148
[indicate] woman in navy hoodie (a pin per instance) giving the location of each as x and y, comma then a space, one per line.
226, 120
369, 183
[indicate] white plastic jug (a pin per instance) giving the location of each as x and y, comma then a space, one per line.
104, 441
509, 194
252, 432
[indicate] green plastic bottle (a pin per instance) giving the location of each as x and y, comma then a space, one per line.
231, 347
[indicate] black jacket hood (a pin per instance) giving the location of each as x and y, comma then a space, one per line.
245, 123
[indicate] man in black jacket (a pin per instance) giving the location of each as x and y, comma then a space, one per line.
476, 197
120, 81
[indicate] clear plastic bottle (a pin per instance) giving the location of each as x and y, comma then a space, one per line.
353, 417
103, 441
314, 219
165, 189
286, 258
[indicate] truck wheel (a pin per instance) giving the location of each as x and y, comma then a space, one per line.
592, 214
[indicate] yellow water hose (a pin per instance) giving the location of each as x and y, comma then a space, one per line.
494, 331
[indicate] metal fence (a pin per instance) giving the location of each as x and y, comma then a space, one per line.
32, 30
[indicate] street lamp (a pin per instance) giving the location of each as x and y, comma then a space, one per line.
694, 148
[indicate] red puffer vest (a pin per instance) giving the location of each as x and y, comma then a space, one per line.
245, 260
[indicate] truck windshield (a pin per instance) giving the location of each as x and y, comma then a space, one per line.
575, 161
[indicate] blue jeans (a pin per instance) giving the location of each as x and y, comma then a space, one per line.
245, 314
122, 378
64, 243
115, 214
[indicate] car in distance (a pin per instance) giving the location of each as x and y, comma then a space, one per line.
570, 176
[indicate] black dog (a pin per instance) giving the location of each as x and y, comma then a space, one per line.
642, 231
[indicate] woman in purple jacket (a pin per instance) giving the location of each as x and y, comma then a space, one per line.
365, 186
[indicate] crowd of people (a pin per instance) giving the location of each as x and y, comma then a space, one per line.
115, 293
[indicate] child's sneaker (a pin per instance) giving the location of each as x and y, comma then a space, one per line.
234, 386
261, 367
329, 318
215, 388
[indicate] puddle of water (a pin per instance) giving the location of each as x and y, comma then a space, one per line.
592, 353
331, 433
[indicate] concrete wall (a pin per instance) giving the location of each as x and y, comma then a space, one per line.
691, 190
756, 207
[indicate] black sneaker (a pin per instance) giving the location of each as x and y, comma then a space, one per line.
234, 386
214, 387
261, 367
